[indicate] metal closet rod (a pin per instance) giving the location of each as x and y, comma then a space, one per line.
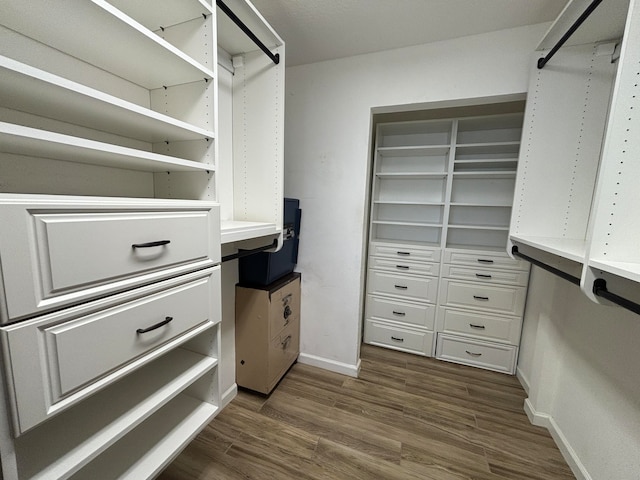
548, 268
588, 11
600, 289
246, 253
247, 31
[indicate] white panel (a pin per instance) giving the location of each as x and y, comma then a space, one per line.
502, 299
403, 286
398, 338
491, 356
419, 315
471, 324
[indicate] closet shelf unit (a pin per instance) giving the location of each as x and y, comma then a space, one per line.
577, 148
258, 123
109, 130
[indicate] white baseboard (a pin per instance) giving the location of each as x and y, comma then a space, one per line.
331, 365
569, 454
524, 381
229, 395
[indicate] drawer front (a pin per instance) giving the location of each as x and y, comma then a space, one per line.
283, 350
484, 259
404, 266
406, 253
399, 338
497, 298
58, 359
488, 327
486, 275
74, 253
414, 288
412, 313
501, 358
284, 307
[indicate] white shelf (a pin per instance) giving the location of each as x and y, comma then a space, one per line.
400, 202
69, 441
20, 140
496, 145
479, 227
412, 175
408, 224
492, 205
35, 91
477, 248
414, 151
502, 174
627, 270
149, 448
172, 12
118, 44
569, 248
605, 23
235, 231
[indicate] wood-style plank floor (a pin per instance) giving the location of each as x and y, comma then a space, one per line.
406, 418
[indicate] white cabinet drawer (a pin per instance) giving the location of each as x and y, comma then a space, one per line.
406, 253
484, 259
406, 286
56, 253
422, 315
60, 358
488, 327
486, 275
502, 299
404, 266
492, 356
399, 338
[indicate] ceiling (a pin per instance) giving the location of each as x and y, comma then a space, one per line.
317, 30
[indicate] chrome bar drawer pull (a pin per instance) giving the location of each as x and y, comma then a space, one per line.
397, 339
473, 354
159, 243
153, 327
479, 327
481, 298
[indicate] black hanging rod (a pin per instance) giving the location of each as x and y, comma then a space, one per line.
246, 253
548, 268
588, 11
600, 289
249, 33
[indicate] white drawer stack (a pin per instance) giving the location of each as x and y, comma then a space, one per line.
481, 303
98, 295
402, 289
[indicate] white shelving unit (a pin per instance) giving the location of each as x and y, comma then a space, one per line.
105, 99
578, 148
442, 192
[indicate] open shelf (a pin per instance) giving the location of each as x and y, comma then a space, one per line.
409, 224
410, 175
235, 231
149, 448
628, 270
35, 91
72, 439
20, 140
480, 227
489, 174
119, 44
173, 12
569, 248
411, 151
400, 202
493, 205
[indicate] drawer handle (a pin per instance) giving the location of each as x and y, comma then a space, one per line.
285, 342
403, 253
400, 314
287, 312
473, 354
287, 298
153, 327
401, 287
481, 298
397, 339
404, 267
159, 243
479, 327
482, 275
484, 260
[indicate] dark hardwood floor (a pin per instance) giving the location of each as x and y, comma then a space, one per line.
406, 418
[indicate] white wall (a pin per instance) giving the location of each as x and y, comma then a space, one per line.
581, 363
327, 128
